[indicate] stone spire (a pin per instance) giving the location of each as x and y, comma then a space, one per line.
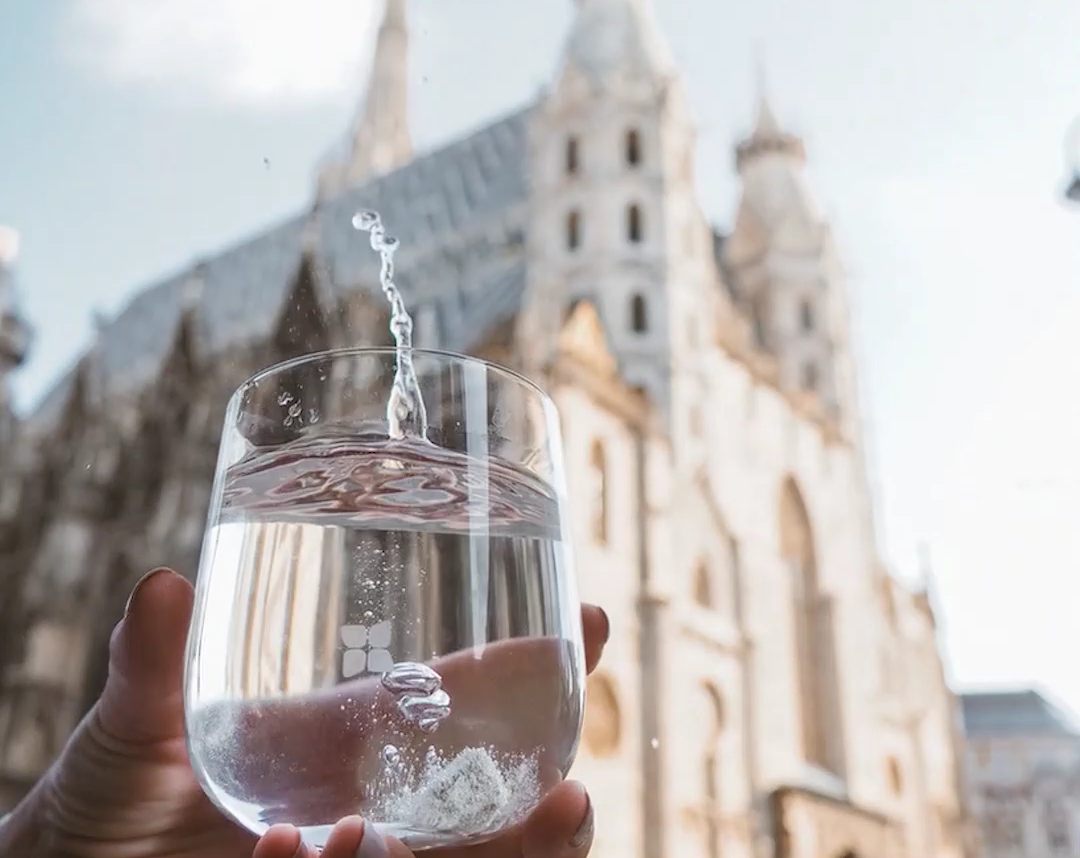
768, 138
380, 139
611, 36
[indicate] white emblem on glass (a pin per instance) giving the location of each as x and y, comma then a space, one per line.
366, 650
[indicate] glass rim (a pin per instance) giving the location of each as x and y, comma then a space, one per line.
372, 351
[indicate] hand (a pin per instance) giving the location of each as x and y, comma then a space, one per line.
124, 788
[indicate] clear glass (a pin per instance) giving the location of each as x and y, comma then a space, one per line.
386, 627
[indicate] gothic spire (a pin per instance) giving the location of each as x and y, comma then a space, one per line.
380, 139
768, 137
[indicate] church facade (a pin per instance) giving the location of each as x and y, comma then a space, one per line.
769, 689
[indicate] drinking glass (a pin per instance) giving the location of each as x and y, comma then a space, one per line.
385, 626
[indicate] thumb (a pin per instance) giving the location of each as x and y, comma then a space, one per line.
143, 701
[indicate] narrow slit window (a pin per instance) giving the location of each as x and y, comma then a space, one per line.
633, 147
572, 156
639, 314
634, 226
573, 230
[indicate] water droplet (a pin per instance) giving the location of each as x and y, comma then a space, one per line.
284, 399
366, 221
391, 755
655, 743
410, 677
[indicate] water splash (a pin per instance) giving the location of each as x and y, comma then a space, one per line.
405, 412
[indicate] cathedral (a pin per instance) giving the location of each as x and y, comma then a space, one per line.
769, 689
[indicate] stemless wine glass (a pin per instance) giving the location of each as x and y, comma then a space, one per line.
385, 626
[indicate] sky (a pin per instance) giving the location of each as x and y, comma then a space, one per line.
135, 137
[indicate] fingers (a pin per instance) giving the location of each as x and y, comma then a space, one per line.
351, 838
143, 697
560, 827
282, 841
596, 629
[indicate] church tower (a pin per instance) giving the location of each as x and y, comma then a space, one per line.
380, 140
614, 220
786, 273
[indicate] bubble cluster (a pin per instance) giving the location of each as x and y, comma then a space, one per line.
421, 698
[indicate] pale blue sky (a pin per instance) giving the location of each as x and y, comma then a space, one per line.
133, 137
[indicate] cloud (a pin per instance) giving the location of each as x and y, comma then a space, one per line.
256, 53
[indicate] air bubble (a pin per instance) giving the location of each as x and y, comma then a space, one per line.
426, 712
409, 677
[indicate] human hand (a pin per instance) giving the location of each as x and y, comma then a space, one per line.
124, 787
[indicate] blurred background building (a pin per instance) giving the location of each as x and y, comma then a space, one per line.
1024, 774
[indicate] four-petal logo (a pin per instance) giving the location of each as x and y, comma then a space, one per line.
366, 650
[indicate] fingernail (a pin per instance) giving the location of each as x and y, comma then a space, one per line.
607, 625
585, 831
373, 844
139, 586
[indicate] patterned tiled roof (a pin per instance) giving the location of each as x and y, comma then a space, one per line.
458, 211
1013, 713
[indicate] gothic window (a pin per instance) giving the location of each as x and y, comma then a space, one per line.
1057, 824
572, 156
602, 729
703, 589
695, 421
633, 147
896, 777
810, 376
806, 316
634, 227
814, 665
598, 496
639, 314
757, 321
711, 769
573, 230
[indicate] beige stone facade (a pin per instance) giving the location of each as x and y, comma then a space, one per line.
768, 688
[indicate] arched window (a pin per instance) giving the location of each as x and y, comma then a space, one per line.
598, 509
896, 777
573, 230
634, 227
602, 729
703, 589
572, 156
814, 662
757, 321
810, 376
714, 808
639, 314
806, 316
633, 147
